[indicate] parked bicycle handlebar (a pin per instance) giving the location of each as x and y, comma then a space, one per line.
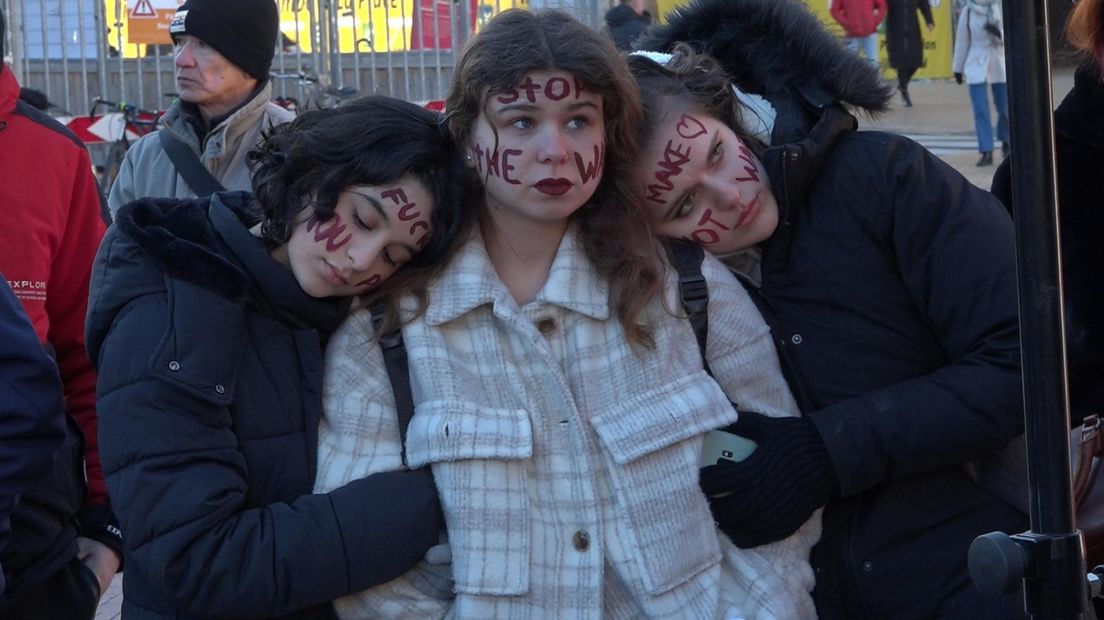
132, 113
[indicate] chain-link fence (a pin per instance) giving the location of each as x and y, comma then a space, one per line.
76, 50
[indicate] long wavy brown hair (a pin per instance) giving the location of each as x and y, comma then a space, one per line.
614, 231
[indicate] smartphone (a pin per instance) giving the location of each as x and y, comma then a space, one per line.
722, 445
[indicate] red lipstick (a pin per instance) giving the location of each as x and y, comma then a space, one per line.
553, 187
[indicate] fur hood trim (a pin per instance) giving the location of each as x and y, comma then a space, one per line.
774, 48
178, 235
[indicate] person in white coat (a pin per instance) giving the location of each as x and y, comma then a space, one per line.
979, 57
559, 398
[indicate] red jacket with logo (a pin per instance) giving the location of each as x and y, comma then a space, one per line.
53, 220
859, 17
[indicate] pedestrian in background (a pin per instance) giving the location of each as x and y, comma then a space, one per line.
979, 58
626, 21
65, 545
904, 41
223, 50
208, 323
860, 20
1079, 153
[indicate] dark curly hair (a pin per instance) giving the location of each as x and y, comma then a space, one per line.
613, 231
373, 140
688, 79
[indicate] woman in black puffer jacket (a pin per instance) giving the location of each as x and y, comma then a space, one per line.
207, 322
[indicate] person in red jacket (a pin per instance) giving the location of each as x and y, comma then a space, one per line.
64, 547
860, 20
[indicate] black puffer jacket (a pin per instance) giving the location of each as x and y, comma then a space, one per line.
890, 283
210, 360
1079, 151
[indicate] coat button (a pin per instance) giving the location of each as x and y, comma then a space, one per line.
581, 540
220, 389
796, 339
868, 566
546, 326
174, 365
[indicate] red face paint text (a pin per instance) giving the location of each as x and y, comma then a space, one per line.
707, 235
555, 89
674, 158
329, 231
487, 161
408, 211
591, 169
750, 168
689, 127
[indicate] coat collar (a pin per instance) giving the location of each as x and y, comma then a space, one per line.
1078, 117
231, 215
239, 121
470, 281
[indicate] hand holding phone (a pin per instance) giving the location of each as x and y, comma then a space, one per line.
724, 446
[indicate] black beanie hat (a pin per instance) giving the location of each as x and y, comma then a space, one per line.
244, 31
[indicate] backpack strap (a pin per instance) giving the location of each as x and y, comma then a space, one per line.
398, 372
187, 164
687, 259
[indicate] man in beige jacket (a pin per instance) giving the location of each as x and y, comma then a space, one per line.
223, 50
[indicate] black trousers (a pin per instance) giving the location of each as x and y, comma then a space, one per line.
71, 594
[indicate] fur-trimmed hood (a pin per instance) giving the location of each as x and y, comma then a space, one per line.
153, 240
777, 49
178, 235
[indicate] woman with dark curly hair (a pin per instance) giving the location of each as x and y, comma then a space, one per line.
207, 322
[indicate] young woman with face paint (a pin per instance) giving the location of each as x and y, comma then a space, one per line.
207, 323
889, 283
559, 397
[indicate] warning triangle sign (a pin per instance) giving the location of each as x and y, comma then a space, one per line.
143, 9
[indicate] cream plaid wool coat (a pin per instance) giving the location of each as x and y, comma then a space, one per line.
567, 463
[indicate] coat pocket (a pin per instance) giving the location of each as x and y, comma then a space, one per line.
653, 446
480, 459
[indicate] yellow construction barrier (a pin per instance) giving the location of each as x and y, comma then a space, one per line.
365, 26
938, 44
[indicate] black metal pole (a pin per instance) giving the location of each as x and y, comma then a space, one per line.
1049, 558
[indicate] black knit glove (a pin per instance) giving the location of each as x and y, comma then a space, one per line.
768, 495
958, 77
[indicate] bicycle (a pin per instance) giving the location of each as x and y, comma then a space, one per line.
126, 121
317, 94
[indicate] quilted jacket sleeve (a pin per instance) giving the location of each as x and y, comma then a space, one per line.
174, 466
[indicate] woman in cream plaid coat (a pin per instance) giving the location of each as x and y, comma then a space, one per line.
560, 401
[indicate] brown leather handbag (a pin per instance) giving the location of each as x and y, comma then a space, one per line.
1088, 488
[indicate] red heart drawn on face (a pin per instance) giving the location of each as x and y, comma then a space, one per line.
689, 127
